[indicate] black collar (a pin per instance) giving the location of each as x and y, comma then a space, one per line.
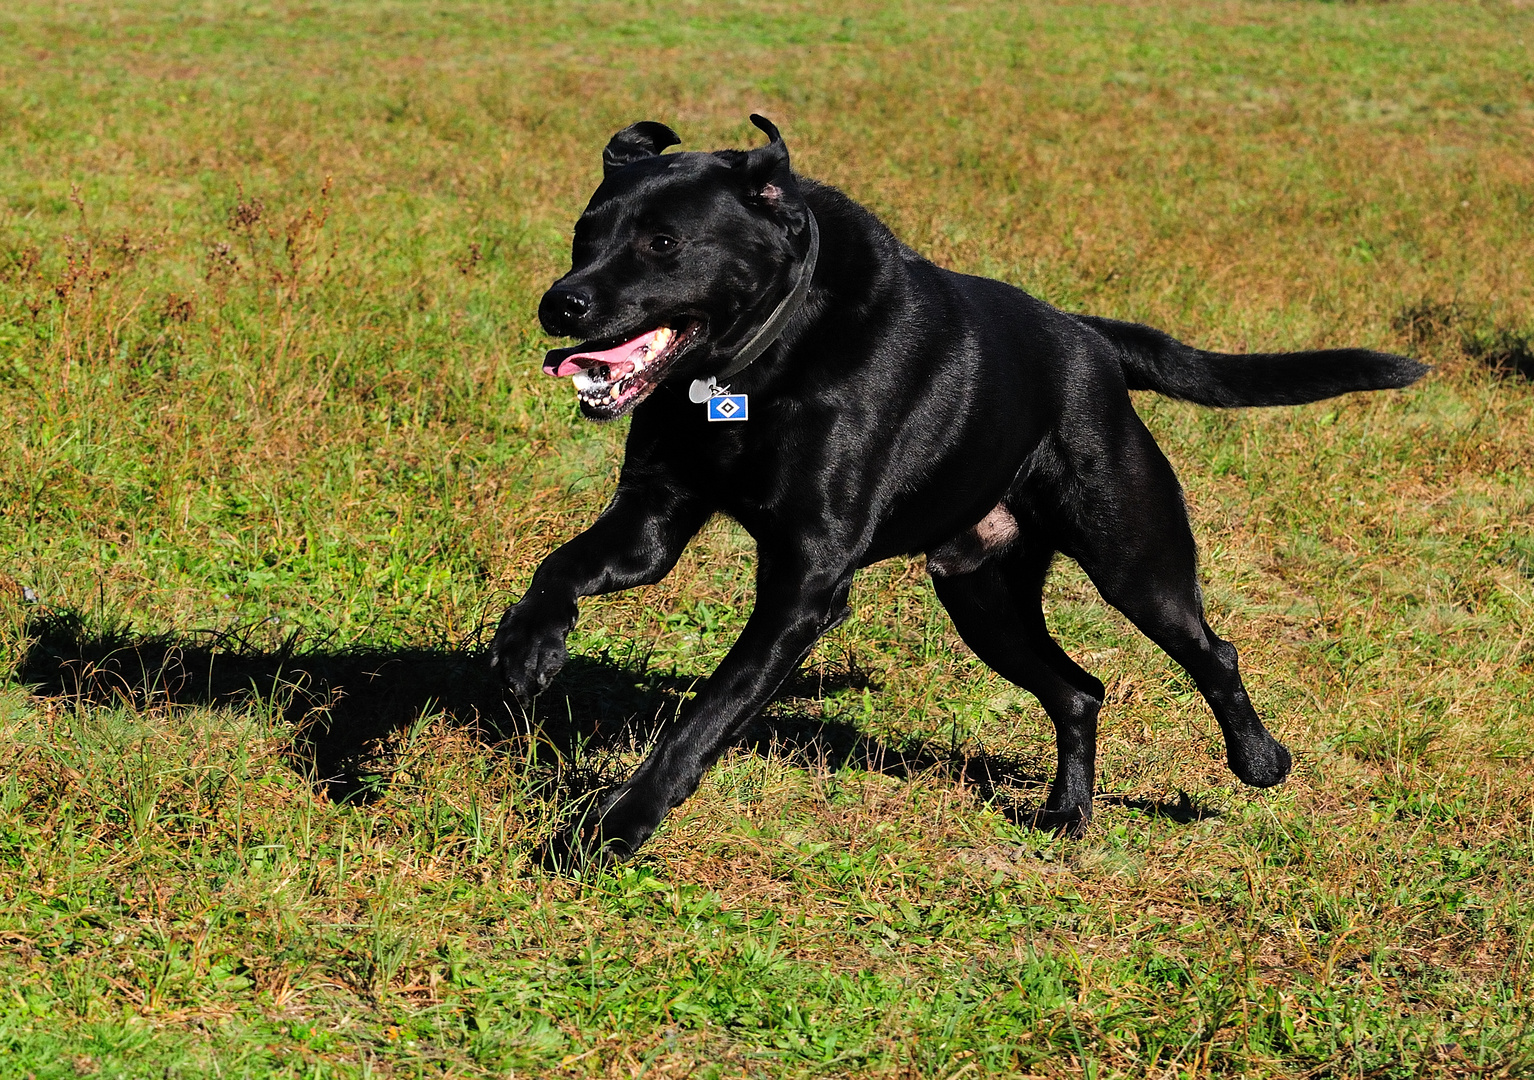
702, 389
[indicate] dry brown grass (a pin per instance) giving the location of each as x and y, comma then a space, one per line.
269, 364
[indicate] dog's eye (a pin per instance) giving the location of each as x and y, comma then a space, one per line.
663, 244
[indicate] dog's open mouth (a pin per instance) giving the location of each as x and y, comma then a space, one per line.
610, 379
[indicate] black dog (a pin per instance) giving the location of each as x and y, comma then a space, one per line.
878, 405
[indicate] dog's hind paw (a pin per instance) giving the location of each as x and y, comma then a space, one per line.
1070, 822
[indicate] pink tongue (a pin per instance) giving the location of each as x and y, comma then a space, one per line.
619, 358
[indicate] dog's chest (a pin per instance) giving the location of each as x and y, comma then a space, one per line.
756, 472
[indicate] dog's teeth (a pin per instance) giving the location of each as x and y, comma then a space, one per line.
603, 385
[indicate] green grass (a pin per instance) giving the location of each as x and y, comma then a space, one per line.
277, 449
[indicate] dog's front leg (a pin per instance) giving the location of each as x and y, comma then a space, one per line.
636, 541
792, 610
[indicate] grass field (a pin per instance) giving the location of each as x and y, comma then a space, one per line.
277, 449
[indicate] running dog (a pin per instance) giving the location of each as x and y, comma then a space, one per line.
788, 362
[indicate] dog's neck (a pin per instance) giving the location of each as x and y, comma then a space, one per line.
778, 321
772, 328
860, 268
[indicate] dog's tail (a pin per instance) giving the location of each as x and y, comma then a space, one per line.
1157, 361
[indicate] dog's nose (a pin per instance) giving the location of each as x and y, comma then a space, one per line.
562, 310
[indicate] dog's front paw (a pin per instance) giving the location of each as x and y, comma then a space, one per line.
574, 853
1260, 761
597, 839
528, 651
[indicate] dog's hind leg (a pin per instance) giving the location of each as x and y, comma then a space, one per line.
1133, 539
997, 611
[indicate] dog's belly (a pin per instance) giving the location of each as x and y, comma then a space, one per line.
965, 552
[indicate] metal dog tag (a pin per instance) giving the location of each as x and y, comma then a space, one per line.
722, 405
727, 407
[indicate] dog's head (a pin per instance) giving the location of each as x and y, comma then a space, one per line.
677, 260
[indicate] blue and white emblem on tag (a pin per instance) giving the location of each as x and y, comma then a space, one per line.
727, 407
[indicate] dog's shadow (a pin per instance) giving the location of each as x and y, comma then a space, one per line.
343, 704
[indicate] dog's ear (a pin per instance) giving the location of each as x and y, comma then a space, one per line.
770, 180
635, 142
